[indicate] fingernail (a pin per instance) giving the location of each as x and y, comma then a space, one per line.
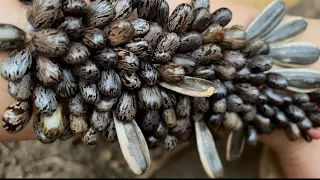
314, 133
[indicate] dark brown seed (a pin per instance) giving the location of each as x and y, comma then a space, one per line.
171, 73
148, 73
16, 116
72, 26
315, 119
48, 71
77, 54
306, 136
168, 98
246, 108
213, 34
162, 14
130, 80
169, 118
11, 37
127, 61
16, 64
300, 98
150, 97
126, 108
221, 16
190, 41
264, 50
88, 71
106, 104
99, 13
292, 132
232, 121
89, 92
276, 81
141, 48
110, 133
234, 103
154, 35
123, 8
105, 58
219, 106
94, 39
68, 85
260, 63
252, 136
220, 91
272, 97
243, 75
119, 32
74, 7
261, 123
183, 107
147, 8
91, 136
215, 120
200, 104
287, 99
21, 89
235, 58
45, 99
43, 13
39, 133
100, 120
150, 120
162, 131
224, 70
140, 26
207, 54
234, 38
181, 18
167, 46
248, 93
204, 72
262, 99
305, 125
229, 86
295, 113
51, 42
78, 124
252, 47
170, 142
77, 106
280, 118
266, 110
309, 107
110, 83
202, 18
257, 79
250, 115
152, 142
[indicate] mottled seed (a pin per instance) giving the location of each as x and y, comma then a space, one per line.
127, 61
141, 48
201, 3
204, 72
162, 14
261, 123
213, 34
171, 73
305, 124
243, 75
276, 81
252, 47
262, 99
264, 50
148, 73
309, 107
89, 92
126, 109
170, 142
224, 70
266, 110
78, 124
105, 58
250, 115
74, 7
215, 120
295, 113
186, 61
168, 98
16, 64
130, 80
300, 98
183, 107
234, 37
280, 118
292, 132
110, 83
123, 8
91, 136
99, 13
21, 89
16, 116
72, 26
39, 133
257, 79
221, 16
272, 97
219, 106
252, 136
232, 121
190, 41
207, 54
248, 93
11, 37
183, 126
88, 71
200, 104
67, 133
154, 35
152, 142
106, 104
181, 18
147, 8
229, 86
100, 120
110, 133
167, 46
235, 58
260, 63
220, 91
119, 32
234, 103
45, 99
48, 72
162, 131
140, 26
202, 18
315, 119
150, 97
68, 85
77, 54
77, 106
150, 120
94, 39
168, 116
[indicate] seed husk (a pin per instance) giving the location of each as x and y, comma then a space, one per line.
235, 145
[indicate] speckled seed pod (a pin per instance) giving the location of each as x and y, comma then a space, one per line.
99, 13
183, 107
105, 58
110, 83
123, 8
77, 54
100, 120
43, 13
204, 72
119, 32
16, 64
77, 106
260, 63
51, 42
150, 97
11, 37
181, 18
127, 61
74, 7
207, 53
276, 81
234, 38
94, 39
68, 86
213, 34
147, 8
72, 26
78, 124
38, 131
110, 133
221, 16
45, 99
53, 125
91, 136
48, 71
150, 120
186, 61
16, 116
171, 73
89, 92
167, 46
148, 73
140, 26
88, 71
154, 35
140, 47
190, 41
252, 47
162, 14
200, 104
202, 18
126, 109
130, 80
21, 89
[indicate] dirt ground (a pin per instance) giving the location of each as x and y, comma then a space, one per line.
72, 159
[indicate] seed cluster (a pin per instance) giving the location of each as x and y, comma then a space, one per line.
89, 66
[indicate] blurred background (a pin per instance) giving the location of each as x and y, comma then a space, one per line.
72, 159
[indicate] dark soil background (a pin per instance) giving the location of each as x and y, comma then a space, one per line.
72, 159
